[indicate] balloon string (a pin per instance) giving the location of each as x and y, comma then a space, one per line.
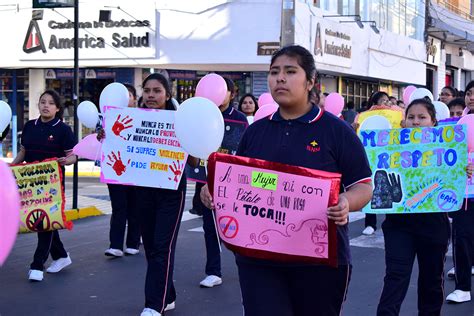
213, 215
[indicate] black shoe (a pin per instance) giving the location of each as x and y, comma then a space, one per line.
196, 211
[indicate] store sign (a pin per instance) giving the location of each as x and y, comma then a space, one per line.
433, 51
87, 74
332, 43
123, 37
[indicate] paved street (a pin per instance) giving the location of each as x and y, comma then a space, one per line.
97, 285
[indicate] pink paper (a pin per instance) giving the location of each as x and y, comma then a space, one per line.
89, 147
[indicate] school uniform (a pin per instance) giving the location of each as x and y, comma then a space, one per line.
45, 141
213, 256
426, 237
316, 140
463, 245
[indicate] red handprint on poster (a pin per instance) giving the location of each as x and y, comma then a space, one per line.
115, 161
121, 125
177, 170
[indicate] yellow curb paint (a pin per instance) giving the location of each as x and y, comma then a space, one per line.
84, 212
84, 174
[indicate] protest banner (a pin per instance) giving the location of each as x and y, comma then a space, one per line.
141, 148
416, 170
395, 117
470, 182
233, 133
42, 197
274, 211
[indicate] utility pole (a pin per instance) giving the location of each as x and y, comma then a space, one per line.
287, 33
75, 99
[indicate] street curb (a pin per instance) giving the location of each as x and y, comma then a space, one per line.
94, 174
84, 212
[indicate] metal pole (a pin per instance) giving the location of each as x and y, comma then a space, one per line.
287, 33
75, 98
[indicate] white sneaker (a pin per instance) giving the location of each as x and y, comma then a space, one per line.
459, 296
170, 306
472, 270
211, 281
369, 230
58, 265
111, 252
149, 312
35, 275
131, 251
451, 273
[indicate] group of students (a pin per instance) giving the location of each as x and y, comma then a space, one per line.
290, 288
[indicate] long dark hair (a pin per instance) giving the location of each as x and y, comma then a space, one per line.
376, 96
160, 78
57, 102
304, 58
428, 105
242, 101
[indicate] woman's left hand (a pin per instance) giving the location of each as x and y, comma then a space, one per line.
340, 212
470, 170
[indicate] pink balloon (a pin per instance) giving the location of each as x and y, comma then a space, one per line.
264, 99
469, 121
334, 103
407, 93
9, 211
265, 110
212, 87
89, 147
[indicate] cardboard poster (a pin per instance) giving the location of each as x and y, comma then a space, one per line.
393, 116
141, 148
42, 197
417, 170
274, 211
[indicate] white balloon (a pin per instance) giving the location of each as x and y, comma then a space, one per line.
420, 93
375, 122
114, 94
5, 115
88, 114
199, 127
442, 110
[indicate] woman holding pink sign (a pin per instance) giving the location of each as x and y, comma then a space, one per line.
302, 134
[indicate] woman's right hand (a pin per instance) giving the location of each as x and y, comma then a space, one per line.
206, 197
100, 135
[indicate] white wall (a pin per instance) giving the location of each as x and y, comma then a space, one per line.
387, 55
37, 86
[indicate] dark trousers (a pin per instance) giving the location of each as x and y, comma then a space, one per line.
122, 198
371, 220
463, 248
401, 248
161, 211
197, 203
292, 291
213, 255
48, 243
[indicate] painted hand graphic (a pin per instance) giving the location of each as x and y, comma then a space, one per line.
38, 220
388, 190
116, 163
177, 170
121, 124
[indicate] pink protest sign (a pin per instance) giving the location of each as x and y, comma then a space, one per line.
470, 182
274, 211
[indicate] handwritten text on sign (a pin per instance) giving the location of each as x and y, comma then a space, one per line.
42, 199
271, 210
417, 170
141, 148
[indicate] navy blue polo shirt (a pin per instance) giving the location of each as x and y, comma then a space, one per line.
232, 114
316, 140
235, 124
46, 140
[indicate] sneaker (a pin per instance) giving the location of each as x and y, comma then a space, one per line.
211, 281
35, 275
459, 296
472, 270
111, 252
451, 273
170, 306
58, 265
131, 251
369, 230
149, 312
